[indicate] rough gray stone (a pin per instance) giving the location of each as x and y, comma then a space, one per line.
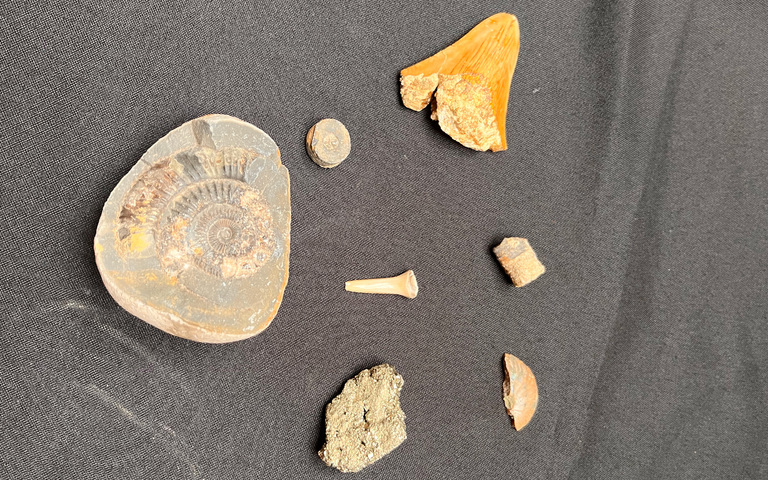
365, 422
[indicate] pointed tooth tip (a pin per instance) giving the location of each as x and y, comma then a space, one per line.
505, 16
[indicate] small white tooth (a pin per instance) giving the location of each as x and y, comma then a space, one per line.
404, 285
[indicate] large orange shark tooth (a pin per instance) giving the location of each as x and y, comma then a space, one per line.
470, 81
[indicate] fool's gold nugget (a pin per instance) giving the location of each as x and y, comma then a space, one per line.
365, 422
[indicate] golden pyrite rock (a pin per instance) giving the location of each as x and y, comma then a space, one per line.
365, 422
195, 238
472, 79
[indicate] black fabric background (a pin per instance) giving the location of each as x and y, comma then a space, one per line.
638, 134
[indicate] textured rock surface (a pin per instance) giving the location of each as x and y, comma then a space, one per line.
521, 394
195, 238
462, 107
328, 143
519, 260
472, 78
365, 422
417, 90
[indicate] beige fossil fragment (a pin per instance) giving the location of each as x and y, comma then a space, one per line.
404, 284
519, 260
195, 239
328, 143
416, 90
472, 79
521, 394
365, 421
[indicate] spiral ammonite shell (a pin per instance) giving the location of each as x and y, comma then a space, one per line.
195, 238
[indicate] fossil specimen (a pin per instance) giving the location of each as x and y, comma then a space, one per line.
328, 143
472, 79
195, 238
521, 395
519, 260
404, 284
365, 422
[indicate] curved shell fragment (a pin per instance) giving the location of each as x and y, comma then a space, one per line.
521, 394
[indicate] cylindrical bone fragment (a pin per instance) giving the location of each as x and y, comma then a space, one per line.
404, 285
328, 143
519, 260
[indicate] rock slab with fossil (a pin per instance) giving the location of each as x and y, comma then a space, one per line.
195, 238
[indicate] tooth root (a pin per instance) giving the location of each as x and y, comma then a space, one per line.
404, 285
471, 78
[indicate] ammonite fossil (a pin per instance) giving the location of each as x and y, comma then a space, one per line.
195, 238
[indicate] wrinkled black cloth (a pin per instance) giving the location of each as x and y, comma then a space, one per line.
637, 167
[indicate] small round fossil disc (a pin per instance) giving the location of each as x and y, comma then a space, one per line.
328, 143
